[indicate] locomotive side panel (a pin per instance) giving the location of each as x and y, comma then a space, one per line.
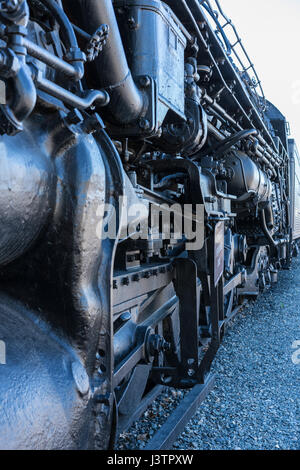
295, 188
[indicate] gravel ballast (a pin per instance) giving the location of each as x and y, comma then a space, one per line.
255, 403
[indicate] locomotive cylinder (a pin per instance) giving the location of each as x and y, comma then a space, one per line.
247, 181
25, 195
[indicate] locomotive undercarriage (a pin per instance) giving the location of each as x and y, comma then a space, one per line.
109, 318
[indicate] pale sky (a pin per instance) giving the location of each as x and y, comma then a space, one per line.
270, 30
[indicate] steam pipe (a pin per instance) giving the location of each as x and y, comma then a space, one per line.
164, 182
34, 50
215, 132
216, 107
259, 151
229, 142
23, 97
266, 231
88, 98
126, 100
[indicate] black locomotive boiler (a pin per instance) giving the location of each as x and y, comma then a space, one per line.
147, 189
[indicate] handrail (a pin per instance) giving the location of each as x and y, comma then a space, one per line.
231, 48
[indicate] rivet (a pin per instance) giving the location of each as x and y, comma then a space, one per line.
81, 378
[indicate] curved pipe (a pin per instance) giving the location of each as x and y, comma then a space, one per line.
233, 140
113, 74
164, 183
226, 144
266, 231
23, 97
34, 50
88, 98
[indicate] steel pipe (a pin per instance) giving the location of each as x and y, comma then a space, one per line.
126, 100
101, 98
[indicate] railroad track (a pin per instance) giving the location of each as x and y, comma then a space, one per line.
178, 419
169, 431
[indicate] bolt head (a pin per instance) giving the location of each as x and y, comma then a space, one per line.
126, 316
17, 29
11, 5
81, 378
144, 124
102, 399
74, 117
93, 124
145, 81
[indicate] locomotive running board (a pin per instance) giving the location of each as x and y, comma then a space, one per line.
175, 424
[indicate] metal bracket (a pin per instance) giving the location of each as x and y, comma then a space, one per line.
186, 289
147, 124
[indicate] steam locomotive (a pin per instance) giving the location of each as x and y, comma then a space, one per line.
147, 189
